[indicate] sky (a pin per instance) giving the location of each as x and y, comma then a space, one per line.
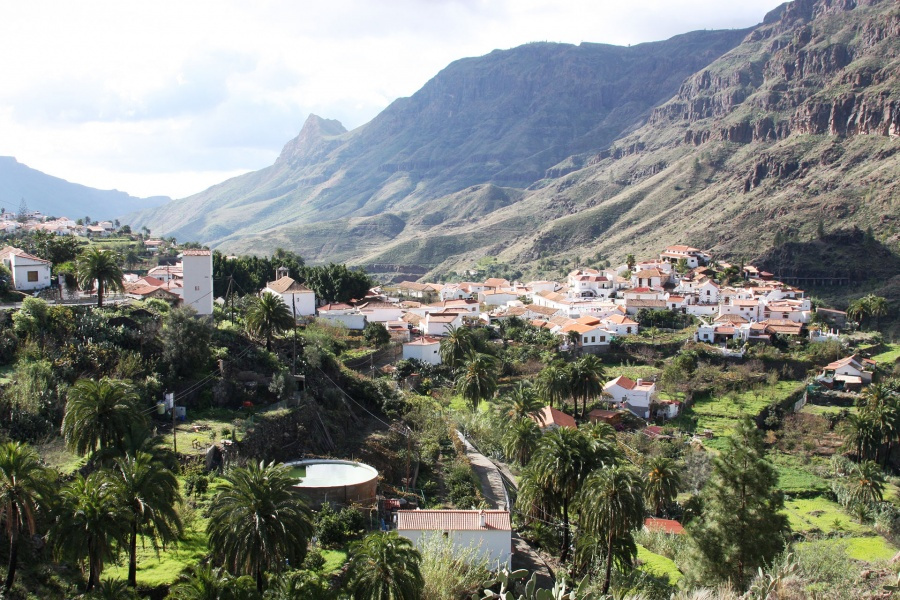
171, 97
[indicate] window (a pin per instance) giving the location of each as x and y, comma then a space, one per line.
628, 330
585, 340
707, 292
593, 339
602, 338
32, 276
196, 288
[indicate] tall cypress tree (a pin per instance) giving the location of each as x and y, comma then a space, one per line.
741, 528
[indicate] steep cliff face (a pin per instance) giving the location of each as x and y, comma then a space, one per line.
815, 67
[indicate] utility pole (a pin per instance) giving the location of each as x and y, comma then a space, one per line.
294, 334
170, 401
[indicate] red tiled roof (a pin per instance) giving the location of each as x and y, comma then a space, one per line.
453, 520
423, 341
196, 253
664, 525
550, 416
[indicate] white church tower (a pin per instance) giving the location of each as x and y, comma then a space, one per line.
197, 266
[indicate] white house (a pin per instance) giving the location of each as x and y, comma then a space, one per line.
636, 396
28, 272
619, 325
197, 268
300, 300
851, 371
692, 256
649, 278
426, 349
380, 312
487, 530
441, 323
496, 298
589, 335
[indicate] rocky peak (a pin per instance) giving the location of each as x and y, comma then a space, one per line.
311, 143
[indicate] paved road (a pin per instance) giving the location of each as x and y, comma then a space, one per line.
524, 556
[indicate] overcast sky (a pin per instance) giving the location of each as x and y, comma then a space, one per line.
170, 97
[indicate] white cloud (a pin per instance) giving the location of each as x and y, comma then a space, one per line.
171, 97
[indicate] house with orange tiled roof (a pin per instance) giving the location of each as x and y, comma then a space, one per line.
635, 396
850, 372
29, 272
590, 337
620, 325
692, 256
299, 299
488, 531
549, 418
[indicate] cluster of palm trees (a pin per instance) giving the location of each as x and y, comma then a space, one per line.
477, 373
130, 492
873, 432
581, 475
869, 306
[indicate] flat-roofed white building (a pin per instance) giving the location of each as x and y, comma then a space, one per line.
488, 531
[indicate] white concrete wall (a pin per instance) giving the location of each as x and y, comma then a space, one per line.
430, 353
303, 302
198, 283
20, 267
495, 545
354, 322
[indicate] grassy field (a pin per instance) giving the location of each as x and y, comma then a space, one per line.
871, 549
821, 516
889, 356
658, 565
154, 570
798, 476
720, 414
334, 560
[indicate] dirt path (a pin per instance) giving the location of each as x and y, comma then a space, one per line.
524, 556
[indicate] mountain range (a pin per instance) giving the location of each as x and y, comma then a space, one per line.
58, 197
726, 140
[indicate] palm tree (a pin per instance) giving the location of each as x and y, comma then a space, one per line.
100, 415
587, 374
203, 583
561, 462
574, 339
611, 504
521, 439
877, 307
149, 492
384, 566
522, 401
25, 487
90, 522
663, 479
113, 589
861, 436
456, 346
257, 521
101, 266
269, 315
866, 484
602, 442
478, 379
554, 384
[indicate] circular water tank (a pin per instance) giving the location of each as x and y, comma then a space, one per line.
338, 481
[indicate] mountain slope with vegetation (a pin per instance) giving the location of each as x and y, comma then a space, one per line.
504, 120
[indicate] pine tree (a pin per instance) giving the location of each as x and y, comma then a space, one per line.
741, 528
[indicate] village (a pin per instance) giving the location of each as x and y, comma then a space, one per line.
665, 355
